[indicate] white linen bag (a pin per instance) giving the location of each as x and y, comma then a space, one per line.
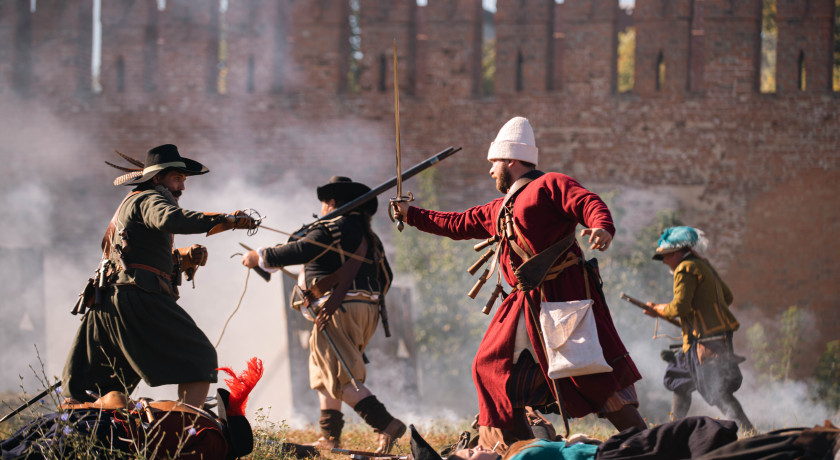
571, 339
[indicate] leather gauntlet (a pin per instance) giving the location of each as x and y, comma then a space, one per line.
192, 257
232, 221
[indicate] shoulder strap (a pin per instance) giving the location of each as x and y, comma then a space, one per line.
340, 280
514, 190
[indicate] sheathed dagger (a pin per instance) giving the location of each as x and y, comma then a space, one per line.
399, 198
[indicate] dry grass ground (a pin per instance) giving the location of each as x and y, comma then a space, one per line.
439, 434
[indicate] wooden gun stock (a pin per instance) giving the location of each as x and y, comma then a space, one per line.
645, 307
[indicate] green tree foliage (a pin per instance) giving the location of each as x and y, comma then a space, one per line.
449, 325
775, 359
626, 59
827, 376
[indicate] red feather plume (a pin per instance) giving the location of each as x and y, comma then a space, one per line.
241, 385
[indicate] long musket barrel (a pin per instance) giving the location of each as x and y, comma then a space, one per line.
361, 453
31, 401
407, 174
645, 307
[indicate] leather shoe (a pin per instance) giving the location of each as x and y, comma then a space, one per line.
324, 443
389, 435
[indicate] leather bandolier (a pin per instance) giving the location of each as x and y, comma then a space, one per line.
91, 295
115, 248
340, 282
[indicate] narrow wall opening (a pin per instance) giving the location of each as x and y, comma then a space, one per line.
802, 84
769, 39
354, 64
835, 73
660, 71
488, 52
626, 59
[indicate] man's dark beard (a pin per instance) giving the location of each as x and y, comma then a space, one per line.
505, 180
176, 194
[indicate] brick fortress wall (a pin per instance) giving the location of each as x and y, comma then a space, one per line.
758, 172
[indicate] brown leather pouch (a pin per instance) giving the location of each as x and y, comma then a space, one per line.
86, 298
708, 350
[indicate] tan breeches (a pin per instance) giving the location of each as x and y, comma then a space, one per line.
351, 331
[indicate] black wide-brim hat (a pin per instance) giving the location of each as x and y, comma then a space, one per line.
159, 158
237, 429
344, 190
420, 449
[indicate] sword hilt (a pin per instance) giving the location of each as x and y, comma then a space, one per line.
394, 201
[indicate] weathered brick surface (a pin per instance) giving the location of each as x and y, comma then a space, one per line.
758, 172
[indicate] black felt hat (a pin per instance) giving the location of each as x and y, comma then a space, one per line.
420, 449
344, 190
237, 429
157, 159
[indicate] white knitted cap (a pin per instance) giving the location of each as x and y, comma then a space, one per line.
515, 141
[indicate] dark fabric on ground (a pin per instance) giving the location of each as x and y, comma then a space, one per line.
687, 438
818, 443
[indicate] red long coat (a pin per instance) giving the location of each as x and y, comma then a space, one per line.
547, 210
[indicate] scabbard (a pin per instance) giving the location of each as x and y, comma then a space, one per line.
263, 274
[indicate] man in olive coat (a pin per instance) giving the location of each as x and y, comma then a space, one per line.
136, 329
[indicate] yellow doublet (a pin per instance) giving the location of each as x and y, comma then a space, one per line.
701, 303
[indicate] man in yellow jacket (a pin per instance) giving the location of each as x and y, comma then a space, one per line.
701, 301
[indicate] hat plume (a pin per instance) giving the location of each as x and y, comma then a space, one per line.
133, 161
121, 168
241, 385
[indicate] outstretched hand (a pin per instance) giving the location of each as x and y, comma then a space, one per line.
599, 238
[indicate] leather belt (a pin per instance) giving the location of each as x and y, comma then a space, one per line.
149, 268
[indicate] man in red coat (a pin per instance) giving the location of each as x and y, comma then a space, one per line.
540, 210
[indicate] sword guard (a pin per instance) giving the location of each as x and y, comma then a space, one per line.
400, 199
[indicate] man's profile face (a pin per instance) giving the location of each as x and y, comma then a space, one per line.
327, 207
500, 172
173, 181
